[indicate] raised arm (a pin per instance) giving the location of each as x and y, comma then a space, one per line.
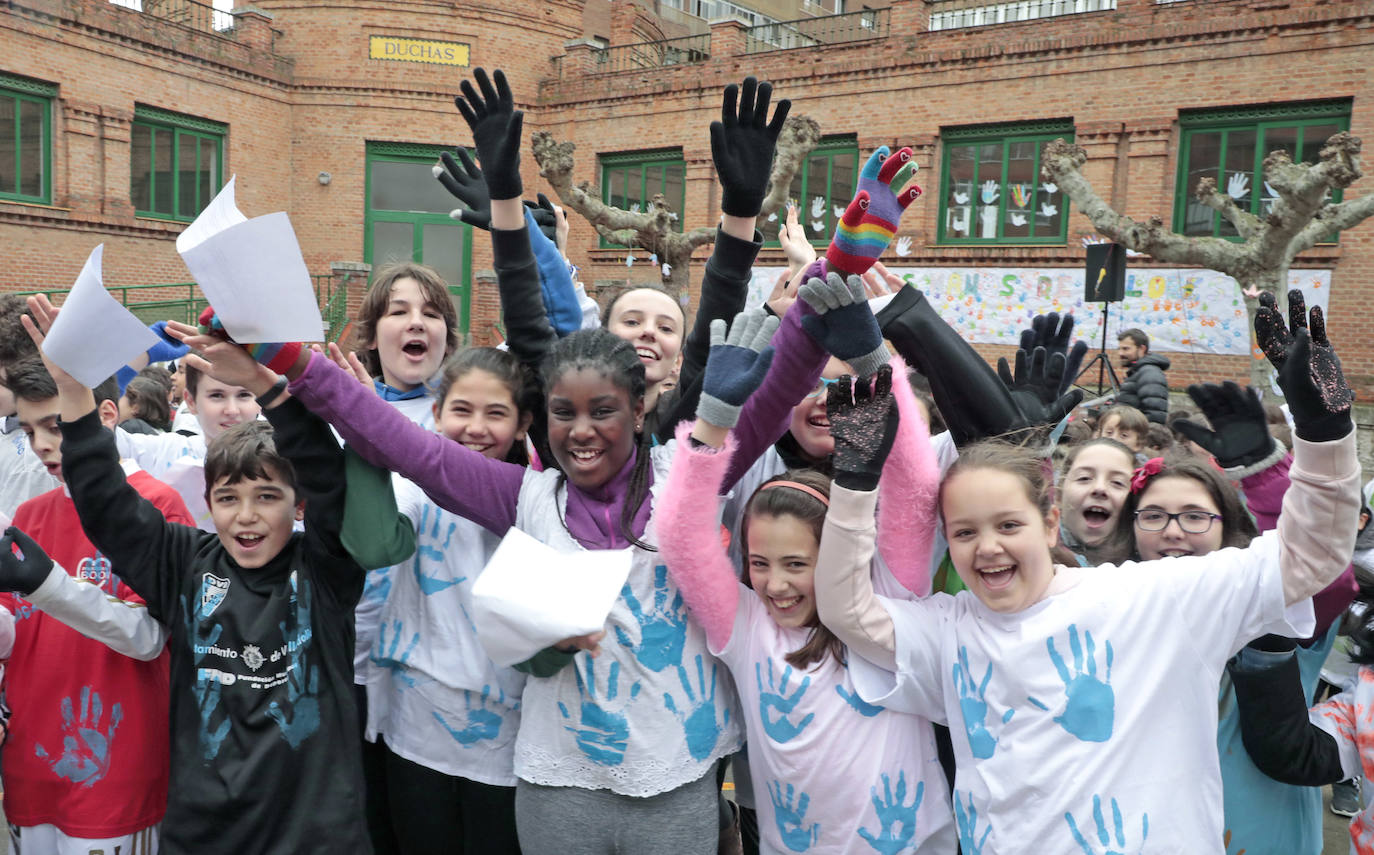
907, 493
688, 525
124, 626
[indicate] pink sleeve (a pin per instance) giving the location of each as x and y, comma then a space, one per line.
1320, 512
907, 491
688, 526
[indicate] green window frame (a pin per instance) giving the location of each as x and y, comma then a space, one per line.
991, 189
176, 163
1230, 145
406, 218
26, 139
632, 178
822, 188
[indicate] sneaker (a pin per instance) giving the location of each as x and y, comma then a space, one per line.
1345, 797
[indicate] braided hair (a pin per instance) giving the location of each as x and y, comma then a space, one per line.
616, 360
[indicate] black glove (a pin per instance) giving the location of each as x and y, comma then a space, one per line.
1035, 390
742, 146
1309, 372
496, 126
863, 421
463, 178
1240, 431
1053, 334
22, 575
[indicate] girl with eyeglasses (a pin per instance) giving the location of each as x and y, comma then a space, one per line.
1186, 506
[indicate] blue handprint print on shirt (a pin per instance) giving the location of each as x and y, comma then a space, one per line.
858, 704
604, 734
482, 723
427, 548
975, 708
385, 657
789, 817
208, 686
967, 821
775, 697
85, 755
1109, 846
896, 819
299, 717
662, 631
699, 718
1090, 703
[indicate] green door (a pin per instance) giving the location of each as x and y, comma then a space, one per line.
407, 219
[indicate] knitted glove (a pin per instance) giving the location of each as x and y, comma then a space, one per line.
863, 421
1035, 388
1048, 332
843, 324
736, 365
1240, 431
22, 574
872, 217
496, 126
742, 146
1309, 372
277, 356
463, 178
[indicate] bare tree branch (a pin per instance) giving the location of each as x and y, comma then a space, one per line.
799, 137
1246, 223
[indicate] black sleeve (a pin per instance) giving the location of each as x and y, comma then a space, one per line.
529, 335
1277, 734
724, 289
306, 440
145, 550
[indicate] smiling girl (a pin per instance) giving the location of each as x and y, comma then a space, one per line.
1096, 482
1082, 701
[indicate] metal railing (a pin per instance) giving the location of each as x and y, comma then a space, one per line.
813, 32
958, 14
682, 51
189, 13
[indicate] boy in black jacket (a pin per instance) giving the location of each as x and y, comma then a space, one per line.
264, 751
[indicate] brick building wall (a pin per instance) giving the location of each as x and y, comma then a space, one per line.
300, 97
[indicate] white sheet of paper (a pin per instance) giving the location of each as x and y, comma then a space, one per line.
94, 335
252, 272
530, 595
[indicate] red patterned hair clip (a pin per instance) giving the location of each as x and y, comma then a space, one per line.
1152, 467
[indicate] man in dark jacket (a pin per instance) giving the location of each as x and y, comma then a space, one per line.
1144, 387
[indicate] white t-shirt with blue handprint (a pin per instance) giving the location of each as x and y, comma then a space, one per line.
831, 773
432, 691
655, 710
1087, 722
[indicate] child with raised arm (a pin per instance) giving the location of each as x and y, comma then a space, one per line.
1083, 703
829, 771
264, 754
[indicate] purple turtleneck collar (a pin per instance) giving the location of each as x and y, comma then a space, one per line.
593, 516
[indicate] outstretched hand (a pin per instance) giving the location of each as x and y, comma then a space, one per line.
872, 217
1053, 333
1240, 431
1035, 385
1309, 372
742, 145
223, 359
43, 314
863, 421
735, 366
496, 127
463, 178
843, 324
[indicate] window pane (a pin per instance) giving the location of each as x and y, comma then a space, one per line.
208, 179
959, 204
1020, 190
634, 189
1049, 214
408, 186
1204, 161
141, 168
841, 185
442, 248
1239, 177
675, 189
989, 188
616, 199
1282, 138
162, 176
9, 178
187, 146
815, 216
653, 183
1313, 138
392, 242
31, 147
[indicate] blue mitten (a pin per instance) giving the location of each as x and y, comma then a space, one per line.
736, 366
843, 323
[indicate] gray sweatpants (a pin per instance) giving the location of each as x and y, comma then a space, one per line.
574, 821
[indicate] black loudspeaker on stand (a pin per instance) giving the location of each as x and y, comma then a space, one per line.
1104, 283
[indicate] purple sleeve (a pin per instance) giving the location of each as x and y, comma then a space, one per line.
457, 478
797, 364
